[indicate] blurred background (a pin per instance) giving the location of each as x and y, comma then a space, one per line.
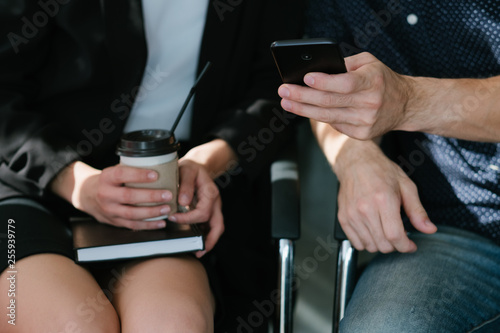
318, 187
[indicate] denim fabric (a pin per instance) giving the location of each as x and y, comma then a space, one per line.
451, 284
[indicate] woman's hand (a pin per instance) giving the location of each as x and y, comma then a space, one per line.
197, 169
198, 191
103, 195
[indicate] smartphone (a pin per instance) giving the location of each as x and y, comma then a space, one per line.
297, 57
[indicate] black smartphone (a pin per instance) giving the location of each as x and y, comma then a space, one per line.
297, 57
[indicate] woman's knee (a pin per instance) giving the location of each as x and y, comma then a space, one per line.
59, 296
86, 316
186, 316
172, 293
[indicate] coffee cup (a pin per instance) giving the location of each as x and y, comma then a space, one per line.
153, 149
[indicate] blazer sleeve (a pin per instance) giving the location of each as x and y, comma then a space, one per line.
32, 145
256, 126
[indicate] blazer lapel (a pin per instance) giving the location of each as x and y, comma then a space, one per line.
219, 38
127, 44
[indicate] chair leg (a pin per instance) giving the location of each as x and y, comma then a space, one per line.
346, 275
285, 301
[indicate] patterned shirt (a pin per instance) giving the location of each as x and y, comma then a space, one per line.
458, 180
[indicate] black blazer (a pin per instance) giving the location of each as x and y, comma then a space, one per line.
69, 73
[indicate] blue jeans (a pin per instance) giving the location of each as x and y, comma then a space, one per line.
451, 284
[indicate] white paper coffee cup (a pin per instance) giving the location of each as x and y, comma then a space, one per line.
154, 150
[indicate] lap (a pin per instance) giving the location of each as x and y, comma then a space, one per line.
451, 284
171, 292
49, 275
34, 230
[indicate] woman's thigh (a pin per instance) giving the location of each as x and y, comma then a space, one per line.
50, 293
168, 294
450, 284
41, 287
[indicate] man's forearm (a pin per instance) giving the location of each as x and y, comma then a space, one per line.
461, 108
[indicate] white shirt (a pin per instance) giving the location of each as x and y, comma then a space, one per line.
174, 29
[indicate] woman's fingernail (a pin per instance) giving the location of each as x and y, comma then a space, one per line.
172, 218
165, 210
167, 196
184, 200
152, 175
161, 224
309, 80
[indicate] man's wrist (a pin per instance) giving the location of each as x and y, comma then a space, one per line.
412, 103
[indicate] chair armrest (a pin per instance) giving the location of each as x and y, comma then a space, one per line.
338, 233
285, 212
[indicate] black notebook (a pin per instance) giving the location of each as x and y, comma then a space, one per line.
94, 241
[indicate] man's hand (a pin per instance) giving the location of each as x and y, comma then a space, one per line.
372, 191
366, 102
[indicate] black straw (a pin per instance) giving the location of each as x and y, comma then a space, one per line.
190, 95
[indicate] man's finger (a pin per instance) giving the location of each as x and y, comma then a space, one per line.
395, 232
414, 209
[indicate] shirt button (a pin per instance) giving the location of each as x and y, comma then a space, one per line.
494, 167
412, 19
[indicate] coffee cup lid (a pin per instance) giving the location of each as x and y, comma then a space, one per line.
149, 142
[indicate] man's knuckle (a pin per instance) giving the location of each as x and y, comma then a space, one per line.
364, 206
386, 248
349, 85
393, 235
381, 199
327, 100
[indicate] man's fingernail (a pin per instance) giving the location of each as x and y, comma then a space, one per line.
284, 92
287, 105
429, 223
309, 80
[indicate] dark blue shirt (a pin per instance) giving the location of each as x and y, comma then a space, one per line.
458, 180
